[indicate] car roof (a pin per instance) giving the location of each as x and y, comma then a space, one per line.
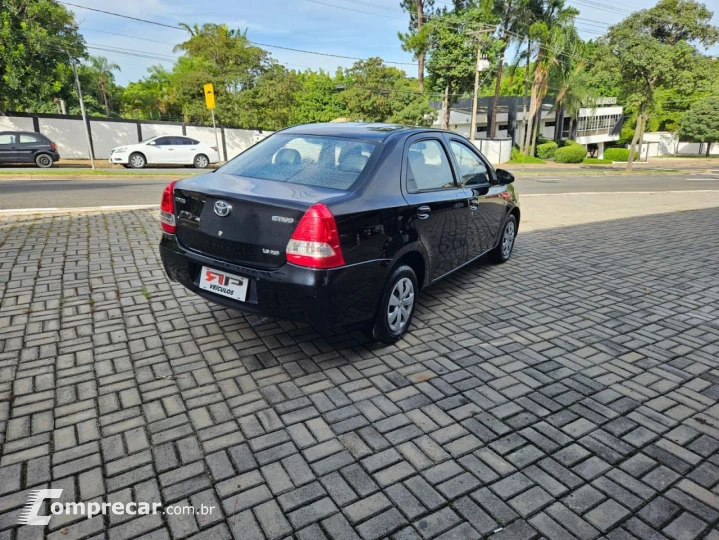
21, 132
356, 130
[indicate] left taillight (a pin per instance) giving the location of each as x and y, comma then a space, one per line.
53, 146
167, 209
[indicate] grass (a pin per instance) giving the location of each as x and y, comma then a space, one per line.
145, 292
98, 172
520, 159
596, 161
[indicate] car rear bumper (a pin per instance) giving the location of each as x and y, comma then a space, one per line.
322, 298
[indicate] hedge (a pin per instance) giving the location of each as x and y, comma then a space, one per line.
617, 154
571, 153
546, 150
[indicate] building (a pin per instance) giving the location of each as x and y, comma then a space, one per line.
593, 127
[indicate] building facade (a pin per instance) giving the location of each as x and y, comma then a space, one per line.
593, 127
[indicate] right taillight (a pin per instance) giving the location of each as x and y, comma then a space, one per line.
167, 209
316, 241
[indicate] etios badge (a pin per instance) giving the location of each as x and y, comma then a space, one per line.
223, 208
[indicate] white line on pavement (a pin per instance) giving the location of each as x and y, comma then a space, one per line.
523, 195
79, 209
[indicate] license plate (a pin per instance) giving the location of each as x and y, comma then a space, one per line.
222, 283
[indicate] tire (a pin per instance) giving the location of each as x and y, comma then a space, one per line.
125, 165
503, 251
137, 161
201, 161
44, 161
391, 321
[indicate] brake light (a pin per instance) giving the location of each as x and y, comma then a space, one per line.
214, 148
167, 209
53, 146
316, 241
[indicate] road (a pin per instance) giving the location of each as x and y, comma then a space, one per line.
44, 193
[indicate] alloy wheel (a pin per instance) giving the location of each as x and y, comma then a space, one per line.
137, 161
201, 162
401, 302
508, 239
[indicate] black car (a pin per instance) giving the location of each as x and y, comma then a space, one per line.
338, 223
27, 147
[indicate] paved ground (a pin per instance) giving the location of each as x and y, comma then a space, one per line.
571, 393
47, 193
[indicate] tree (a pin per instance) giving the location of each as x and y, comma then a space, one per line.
102, 68
152, 96
701, 123
556, 39
416, 40
655, 48
37, 37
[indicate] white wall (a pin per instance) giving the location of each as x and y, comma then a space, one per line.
239, 140
495, 150
109, 135
69, 134
153, 130
9, 123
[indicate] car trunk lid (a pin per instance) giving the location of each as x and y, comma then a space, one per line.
242, 220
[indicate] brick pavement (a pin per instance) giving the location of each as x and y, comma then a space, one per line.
571, 393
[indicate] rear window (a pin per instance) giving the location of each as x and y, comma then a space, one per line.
329, 162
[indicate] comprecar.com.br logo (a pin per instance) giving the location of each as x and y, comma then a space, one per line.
30, 515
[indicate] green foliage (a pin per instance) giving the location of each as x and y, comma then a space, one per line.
36, 39
517, 158
701, 123
616, 154
572, 152
546, 150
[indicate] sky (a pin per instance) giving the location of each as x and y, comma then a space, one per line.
354, 28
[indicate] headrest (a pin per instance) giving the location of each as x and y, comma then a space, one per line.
288, 156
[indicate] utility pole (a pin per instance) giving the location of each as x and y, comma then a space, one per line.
82, 110
482, 65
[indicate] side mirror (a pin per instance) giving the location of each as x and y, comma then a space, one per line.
152, 143
504, 177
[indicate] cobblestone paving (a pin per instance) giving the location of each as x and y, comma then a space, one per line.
571, 393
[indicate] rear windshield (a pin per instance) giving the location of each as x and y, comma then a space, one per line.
329, 162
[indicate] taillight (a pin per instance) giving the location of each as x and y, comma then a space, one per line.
53, 146
316, 242
167, 209
214, 148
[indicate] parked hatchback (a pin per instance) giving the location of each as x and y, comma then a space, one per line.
338, 223
27, 147
165, 150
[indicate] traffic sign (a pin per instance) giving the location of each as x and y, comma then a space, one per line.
209, 96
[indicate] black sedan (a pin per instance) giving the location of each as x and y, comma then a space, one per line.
27, 147
332, 224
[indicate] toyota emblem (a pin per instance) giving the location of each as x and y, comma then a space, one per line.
223, 208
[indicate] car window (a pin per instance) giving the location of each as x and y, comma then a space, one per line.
7, 138
428, 167
163, 141
331, 162
472, 169
191, 141
184, 141
25, 138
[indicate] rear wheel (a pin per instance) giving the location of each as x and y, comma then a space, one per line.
396, 306
503, 251
44, 161
201, 161
137, 161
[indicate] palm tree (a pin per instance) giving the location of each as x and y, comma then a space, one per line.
556, 39
574, 91
103, 69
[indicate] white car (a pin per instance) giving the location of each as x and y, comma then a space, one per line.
165, 150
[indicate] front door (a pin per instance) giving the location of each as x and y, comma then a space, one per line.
438, 210
486, 205
8, 148
161, 152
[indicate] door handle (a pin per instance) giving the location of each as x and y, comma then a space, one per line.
423, 212
171, 149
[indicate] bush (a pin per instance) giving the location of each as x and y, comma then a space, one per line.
617, 154
546, 150
572, 152
519, 158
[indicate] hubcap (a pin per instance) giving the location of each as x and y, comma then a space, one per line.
508, 239
201, 162
400, 306
44, 160
137, 161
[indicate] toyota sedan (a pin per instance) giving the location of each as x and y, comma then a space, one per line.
332, 224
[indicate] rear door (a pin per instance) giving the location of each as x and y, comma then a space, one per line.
8, 147
28, 145
487, 207
182, 150
438, 207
